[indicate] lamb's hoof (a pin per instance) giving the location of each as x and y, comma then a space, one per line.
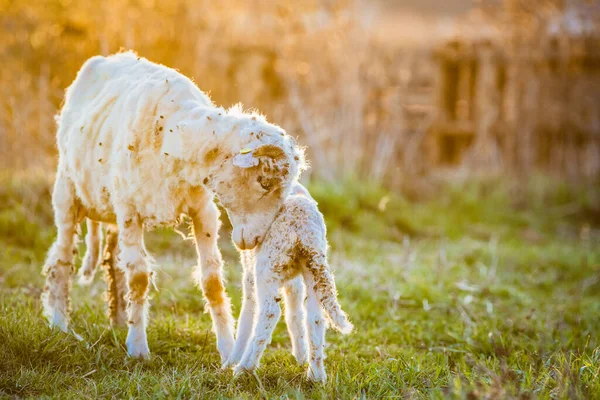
232, 361
137, 348
229, 363
241, 369
301, 358
316, 375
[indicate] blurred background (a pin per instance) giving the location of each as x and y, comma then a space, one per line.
397, 92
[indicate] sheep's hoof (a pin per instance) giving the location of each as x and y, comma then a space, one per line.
137, 347
225, 347
85, 277
58, 320
141, 353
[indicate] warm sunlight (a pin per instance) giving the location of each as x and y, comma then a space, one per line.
377, 199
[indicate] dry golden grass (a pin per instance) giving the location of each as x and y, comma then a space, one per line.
355, 81
319, 69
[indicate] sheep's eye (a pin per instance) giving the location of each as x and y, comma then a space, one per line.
264, 183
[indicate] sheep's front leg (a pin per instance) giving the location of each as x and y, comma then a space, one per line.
59, 262
293, 293
209, 277
267, 284
315, 325
246, 320
138, 273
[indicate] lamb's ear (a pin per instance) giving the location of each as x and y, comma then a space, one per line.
269, 150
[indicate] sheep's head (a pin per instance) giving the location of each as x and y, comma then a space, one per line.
257, 181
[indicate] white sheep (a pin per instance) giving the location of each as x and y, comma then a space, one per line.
139, 145
295, 247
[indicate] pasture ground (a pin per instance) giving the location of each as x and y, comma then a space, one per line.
479, 291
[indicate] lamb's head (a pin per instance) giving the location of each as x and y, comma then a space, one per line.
256, 181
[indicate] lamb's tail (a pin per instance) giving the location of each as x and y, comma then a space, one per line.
324, 286
93, 241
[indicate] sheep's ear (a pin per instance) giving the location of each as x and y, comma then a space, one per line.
269, 150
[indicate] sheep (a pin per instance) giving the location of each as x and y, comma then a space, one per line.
140, 145
295, 247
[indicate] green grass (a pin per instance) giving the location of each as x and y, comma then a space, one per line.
480, 291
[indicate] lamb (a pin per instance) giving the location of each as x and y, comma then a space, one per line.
295, 247
140, 145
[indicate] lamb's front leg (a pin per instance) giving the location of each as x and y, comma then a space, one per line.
267, 284
246, 320
209, 276
293, 293
138, 273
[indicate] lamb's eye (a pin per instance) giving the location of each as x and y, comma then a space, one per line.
264, 183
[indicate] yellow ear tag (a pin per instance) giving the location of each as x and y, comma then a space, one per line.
245, 150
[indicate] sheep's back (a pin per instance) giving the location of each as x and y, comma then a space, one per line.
111, 130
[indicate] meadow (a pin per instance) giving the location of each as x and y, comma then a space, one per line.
474, 293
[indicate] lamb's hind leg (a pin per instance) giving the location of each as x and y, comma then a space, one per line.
59, 262
293, 293
210, 276
315, 325
116, 281
138, 273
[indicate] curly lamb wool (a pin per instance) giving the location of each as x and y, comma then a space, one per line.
295, 248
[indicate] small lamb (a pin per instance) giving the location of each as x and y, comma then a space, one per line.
295, 247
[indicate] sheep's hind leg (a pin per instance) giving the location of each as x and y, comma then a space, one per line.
93, 241
293, 293
246, 320
59, 261
209, 277
116, 294
138, 273
315, 325
267, 292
